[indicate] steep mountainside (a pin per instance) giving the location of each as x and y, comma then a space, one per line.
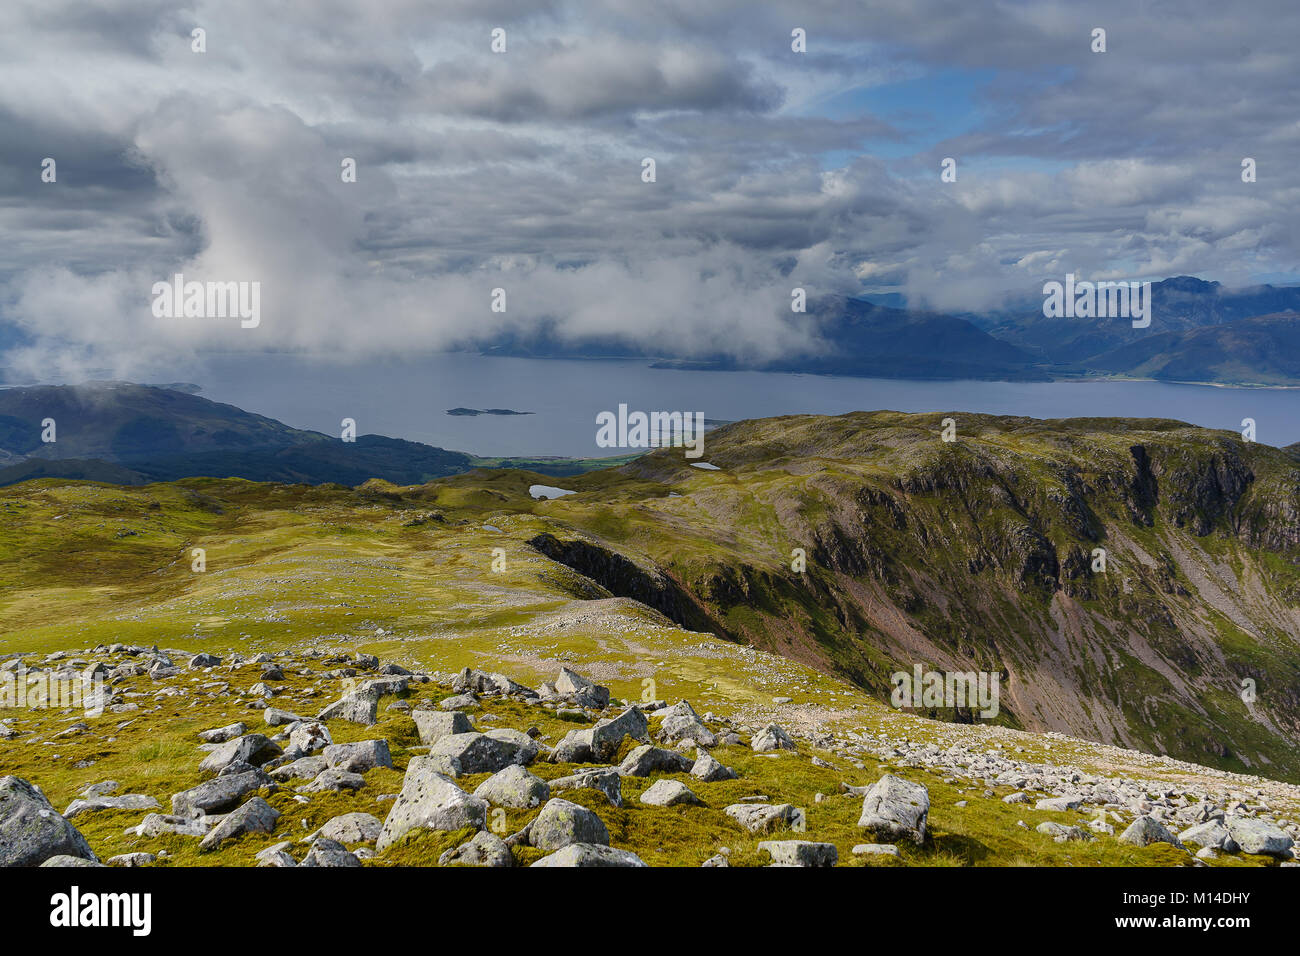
979, 554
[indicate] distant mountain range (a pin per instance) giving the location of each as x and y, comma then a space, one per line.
1200, 332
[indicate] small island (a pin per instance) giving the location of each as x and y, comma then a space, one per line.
485, 411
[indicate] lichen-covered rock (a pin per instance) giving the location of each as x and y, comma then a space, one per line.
63, 860
1211, 833
333, 780
1254, 835
276, 856
770, 738
31, 830
1146, 830
644, 760
680, 727
220, 793
255, 816
606, 780
896, 808
304, 768
485, 849
600, 743
710, 769
430, 800
126, 801
352, 828
585, 692
274, 717
1062, 833
589, 854
800, 853
668, 793
360, 756
219, 735
764, 817
306, 737
514, 787
251, 749
561, 823
459, 754
433, 725
359, 707
156, 824
326, 852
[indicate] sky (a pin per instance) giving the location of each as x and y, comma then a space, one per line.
522, 170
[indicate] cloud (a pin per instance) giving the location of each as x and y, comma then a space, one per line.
522, 170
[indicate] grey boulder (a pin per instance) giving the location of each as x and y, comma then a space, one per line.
590, 854
352, 828
252, 749
561, 823
600, 743
1146, 830
433, 725
514, 787
896, 808
1254, 835
127, 801
764, 817
430, 801
461, 754
770, 738
333, 780
668, 793
360, 756
255, 816
644, 760
219, 735
710, 769
485, 849
800, 853
326, 852
32, 831
606, 780
221, 793
359, 707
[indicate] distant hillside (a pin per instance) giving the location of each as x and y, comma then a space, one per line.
133, 434
847, 336
118, 421
1258, 351
874, 340
136, 434
1179, 305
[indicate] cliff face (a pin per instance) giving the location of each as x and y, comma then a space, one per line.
1126, 577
